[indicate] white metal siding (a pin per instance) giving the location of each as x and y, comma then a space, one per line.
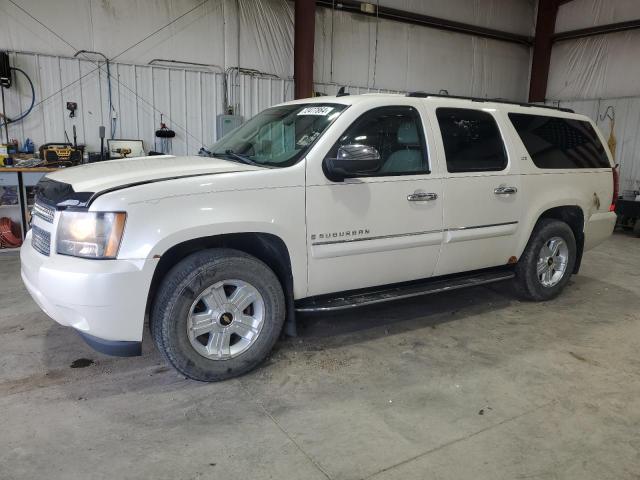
189, 101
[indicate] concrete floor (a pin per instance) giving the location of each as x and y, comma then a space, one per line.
469, 384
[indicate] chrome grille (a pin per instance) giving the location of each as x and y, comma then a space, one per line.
44, 212
40, 240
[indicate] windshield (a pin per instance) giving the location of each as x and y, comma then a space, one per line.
278, 136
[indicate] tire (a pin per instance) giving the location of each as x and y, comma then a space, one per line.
531, 285
209, 290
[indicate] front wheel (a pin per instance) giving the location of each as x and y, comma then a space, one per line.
547, 262
217, 314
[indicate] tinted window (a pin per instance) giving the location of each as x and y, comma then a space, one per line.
472, 141
560, 142
396, 132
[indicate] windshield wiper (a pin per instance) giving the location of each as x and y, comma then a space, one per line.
241, 158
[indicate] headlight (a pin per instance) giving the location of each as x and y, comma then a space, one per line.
90, 234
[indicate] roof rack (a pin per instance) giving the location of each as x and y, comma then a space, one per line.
493, 100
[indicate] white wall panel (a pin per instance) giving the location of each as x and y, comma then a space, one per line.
21, 32
516, 16
266, 36
144, 94
113, 26
500, 70
127, 101
92, 114
602, 66
410, 57
590, 13
52, 108
193, 106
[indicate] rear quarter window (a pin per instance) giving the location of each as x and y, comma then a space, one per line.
554, 142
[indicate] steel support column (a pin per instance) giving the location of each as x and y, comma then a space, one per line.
304, 35
542, 44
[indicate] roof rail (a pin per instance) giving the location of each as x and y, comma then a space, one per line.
493, 100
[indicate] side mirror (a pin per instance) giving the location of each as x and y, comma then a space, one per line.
352, 161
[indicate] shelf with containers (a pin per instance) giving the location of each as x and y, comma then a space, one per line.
17, 192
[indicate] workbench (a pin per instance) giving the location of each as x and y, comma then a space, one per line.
22, 178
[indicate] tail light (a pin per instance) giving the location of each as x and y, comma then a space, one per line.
616, 188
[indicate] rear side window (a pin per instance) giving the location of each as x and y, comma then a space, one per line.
472, 141
554, 142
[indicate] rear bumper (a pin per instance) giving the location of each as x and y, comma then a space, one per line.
104, 300
598, 228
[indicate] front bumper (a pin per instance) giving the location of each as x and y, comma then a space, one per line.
104, 300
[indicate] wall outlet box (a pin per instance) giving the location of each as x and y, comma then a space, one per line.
226, 123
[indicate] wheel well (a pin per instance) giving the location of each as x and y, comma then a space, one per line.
573, 216
264, 246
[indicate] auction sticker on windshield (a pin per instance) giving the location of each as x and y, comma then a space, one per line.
324, 110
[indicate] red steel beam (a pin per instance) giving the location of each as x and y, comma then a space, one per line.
304, 35
542, 44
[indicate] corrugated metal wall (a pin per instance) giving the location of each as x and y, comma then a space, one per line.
188, 99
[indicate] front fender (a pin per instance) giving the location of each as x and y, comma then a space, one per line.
154, 226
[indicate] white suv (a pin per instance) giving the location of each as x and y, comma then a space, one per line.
316, 205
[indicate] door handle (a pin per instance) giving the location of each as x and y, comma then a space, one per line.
504, 190
422, 197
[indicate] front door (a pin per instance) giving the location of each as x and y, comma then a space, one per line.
482, 206
382, 228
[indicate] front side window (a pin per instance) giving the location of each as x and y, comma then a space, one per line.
396, 133
554, 142
278, 136
472, 140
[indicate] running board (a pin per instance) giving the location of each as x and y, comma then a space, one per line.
360, 298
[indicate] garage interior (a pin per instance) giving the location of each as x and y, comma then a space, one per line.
466, 384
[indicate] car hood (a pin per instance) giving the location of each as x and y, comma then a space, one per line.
109, 175
77, 187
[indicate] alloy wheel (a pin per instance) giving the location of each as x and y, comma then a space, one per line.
552, 262
226, 319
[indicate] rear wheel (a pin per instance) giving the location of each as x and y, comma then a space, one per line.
547, 262
217, 314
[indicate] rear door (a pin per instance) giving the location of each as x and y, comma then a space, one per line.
482, 190
381, 228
